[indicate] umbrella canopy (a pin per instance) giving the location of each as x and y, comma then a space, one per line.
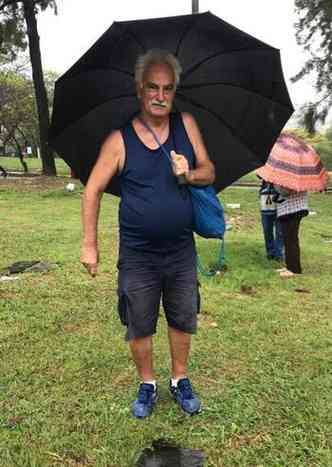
231, 82
295, 165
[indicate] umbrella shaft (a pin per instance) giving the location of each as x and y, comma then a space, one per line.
194, 6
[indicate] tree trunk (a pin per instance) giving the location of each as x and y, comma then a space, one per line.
21, 156
40, 90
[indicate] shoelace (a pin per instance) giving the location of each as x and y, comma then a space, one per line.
144, 393
186, 389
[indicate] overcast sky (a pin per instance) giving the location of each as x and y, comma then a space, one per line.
79, 23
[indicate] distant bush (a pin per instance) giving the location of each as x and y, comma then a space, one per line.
322, 142
307, 137
328, 134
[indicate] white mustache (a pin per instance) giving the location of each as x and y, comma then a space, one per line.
159, 104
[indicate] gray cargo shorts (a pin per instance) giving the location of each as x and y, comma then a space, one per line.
146, 278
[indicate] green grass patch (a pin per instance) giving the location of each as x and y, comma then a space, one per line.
324, 149
261, 360
34, 165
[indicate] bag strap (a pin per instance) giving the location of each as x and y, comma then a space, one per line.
154, 134
221, 257
218, 266
181, 178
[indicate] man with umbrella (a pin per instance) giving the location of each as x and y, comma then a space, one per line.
157, 257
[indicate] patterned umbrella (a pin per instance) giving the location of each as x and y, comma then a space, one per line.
295, 165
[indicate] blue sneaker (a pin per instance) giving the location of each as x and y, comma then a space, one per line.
183, 394
146, 399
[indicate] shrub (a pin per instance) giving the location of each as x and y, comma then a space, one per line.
324, 149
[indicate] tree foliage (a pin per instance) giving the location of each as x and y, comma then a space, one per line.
328, 134
18, 114
314, 34
12, 31
322, 143
12, 24
18, 118
306, 136
21, 15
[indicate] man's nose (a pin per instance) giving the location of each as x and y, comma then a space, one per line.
161, 95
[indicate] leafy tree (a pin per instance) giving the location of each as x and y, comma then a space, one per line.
18, 120
322, 143
324, 149
306, 136
314, 33
12, 33
50, 78
328, 134
20, 11
305, 117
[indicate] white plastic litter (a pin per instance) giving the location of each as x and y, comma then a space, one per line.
70, 187
233, 205
8, 278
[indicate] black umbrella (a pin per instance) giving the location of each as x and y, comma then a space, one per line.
231, 82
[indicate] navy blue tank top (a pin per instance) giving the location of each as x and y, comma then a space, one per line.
155, 212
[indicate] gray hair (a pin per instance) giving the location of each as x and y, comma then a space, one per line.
157, 56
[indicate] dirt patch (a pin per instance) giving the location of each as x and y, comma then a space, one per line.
34, 183
242, 221
248, 290
206, 321
6, 295
239, 441
88, 328
122, 380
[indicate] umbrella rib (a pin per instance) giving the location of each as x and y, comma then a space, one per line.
96, 106
118, 70
218, 54
199, 86
214, 114
121, 71
186, 31
119, 97
128, 30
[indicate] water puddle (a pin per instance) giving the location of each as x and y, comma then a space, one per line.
166, 454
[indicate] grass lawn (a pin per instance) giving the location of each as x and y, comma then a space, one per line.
34, 165
261, 361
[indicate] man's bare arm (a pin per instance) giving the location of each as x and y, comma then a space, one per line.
110, 161
204, 173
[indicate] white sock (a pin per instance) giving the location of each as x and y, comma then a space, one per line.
151, 382
174, 381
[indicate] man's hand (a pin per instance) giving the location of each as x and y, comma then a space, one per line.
180, 164
90, 259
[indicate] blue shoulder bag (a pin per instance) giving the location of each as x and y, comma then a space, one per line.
209, 221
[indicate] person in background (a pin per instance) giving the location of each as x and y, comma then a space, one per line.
292, 206
274, 244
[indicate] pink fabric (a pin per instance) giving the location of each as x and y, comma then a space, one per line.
294, 165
